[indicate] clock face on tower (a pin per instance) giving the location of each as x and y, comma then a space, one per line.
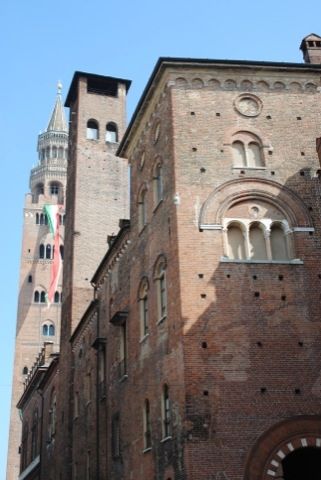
248, 105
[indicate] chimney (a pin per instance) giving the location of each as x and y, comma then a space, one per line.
311, 48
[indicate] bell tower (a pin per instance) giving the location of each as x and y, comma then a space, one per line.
38, 317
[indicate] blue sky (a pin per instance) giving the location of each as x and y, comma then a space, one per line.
43, 42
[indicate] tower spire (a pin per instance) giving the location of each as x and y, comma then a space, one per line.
58, 121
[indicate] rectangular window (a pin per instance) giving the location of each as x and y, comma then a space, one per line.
102, 372
147, 426
166, 413
123, 350
162, 296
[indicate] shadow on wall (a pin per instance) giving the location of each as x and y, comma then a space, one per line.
256, 348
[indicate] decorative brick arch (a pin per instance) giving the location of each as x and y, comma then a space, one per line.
235, 191
265, 460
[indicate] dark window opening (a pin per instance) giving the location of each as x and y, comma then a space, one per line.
102, 87
302, 463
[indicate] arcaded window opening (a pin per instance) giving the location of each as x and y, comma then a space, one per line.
247, 151
265, 240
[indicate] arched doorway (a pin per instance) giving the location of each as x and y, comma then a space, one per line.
302, 464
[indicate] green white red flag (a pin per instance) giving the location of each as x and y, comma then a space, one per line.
52, 212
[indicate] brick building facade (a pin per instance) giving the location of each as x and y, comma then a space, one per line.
192, 350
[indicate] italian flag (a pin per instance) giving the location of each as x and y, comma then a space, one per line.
52, 212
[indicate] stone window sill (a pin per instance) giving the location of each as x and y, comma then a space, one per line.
166, 439
147, 449
161, 320
123, 378
144, 338
295, 261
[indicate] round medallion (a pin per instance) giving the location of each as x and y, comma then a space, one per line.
248, 105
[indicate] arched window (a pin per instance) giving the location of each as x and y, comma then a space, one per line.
36, 297
143, 307
43, 297
158, 183
236, 242
247, 150
278, 243
48, 153
54, 152
92, 130
142, 209
61, 152
166, 413
54, 188
25, 371
41, 251
254, 157
257, 243
147, 426
48, 330
239, 154
48, 251
38, 190
51, 331
61, 248
111, 132
37, 219
160, 279
57, 297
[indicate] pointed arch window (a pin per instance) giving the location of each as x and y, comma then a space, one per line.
57, 297
36, 297
111, 132
54, 152
92, 130
41, 251
61, 249
43, 297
